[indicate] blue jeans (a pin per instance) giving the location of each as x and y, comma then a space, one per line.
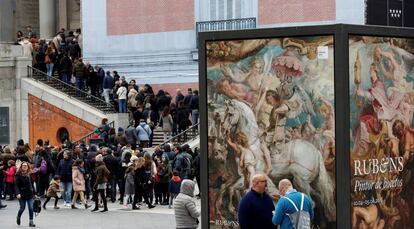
49, 68
66, 78
194, 117
122, 106
67, 191
79, 85
22, 204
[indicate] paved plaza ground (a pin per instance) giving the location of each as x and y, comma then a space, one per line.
117, 217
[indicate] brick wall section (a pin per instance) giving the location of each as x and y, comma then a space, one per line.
45, 120
149, 16
283, 11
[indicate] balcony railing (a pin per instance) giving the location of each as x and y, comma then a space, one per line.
232, 24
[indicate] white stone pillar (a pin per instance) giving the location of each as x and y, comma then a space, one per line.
47, 18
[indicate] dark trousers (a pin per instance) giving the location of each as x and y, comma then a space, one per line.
158, 192
10, 190
114, 181
140, 193
47, 200
42, 183
100, 192
165, 193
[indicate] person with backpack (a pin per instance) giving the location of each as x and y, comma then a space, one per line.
144, 133
24, 192
43, 173
291, 206
182, 162
255, 208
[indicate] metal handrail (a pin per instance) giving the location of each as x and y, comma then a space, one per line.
183, 133
78, 94
88, 136
240, 23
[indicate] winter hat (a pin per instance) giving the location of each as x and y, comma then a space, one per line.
133, 158
120, 129
99, 157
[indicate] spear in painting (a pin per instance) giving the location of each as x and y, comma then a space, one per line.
357, 79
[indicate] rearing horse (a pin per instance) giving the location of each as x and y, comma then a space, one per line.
298, 158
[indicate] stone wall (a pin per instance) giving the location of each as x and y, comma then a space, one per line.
27, 13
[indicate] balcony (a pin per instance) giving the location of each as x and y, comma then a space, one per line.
232, 24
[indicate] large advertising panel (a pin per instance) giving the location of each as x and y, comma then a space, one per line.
270, 105
381, 97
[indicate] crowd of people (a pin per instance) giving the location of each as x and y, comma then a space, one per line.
132, 177
63, 55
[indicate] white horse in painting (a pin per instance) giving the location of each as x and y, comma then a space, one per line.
298, 158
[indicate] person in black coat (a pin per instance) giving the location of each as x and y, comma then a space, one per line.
162, 101
113, 166
65, 172
24, 192
183, 120
66, 68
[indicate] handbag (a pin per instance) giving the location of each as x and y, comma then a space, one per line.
47, 59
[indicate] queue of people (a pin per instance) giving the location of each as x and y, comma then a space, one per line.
83, 173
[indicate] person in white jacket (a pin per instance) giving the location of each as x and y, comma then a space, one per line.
27, 47
122, 98
185, 210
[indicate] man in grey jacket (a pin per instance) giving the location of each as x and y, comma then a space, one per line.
131, 135
185, 210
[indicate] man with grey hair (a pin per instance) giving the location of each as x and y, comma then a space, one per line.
291, 202
255, 209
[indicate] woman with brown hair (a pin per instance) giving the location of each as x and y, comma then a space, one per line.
24, 192
50, 59
101, 173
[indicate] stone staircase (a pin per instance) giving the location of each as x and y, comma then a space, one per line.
71, 90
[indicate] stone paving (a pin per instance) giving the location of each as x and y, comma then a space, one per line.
66, 218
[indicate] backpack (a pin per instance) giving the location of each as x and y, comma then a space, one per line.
300, 219
43, 167
186, 163
37, 205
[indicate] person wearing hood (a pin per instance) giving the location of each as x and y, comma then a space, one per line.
120, 138
101, 173
185, 210
54, 188
78, 171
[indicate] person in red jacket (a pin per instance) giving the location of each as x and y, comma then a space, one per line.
9, 173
